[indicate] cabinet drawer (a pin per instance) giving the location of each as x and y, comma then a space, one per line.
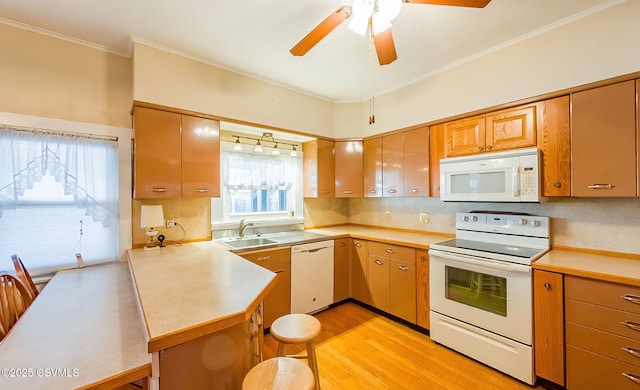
603, 293
587, 370
614, 321
268, 257
616, 347
394, 251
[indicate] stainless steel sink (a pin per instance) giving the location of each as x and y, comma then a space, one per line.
248, 242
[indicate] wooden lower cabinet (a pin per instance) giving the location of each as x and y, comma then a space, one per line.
358, 260
548, 308
422, 288
391, 279
341, 268
278, 301
602, 334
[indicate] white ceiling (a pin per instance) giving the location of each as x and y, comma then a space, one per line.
253, 37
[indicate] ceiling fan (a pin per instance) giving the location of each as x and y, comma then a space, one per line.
375, 15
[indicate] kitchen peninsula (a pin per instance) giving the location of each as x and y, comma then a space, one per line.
201, 310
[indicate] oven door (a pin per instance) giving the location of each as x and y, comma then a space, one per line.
490, 294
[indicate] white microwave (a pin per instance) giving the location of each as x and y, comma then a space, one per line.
512, 176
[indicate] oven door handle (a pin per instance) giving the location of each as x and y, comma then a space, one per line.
494, 264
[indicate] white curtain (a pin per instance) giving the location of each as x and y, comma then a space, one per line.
247, 171
83, 169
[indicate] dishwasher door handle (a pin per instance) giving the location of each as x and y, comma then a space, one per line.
314, 250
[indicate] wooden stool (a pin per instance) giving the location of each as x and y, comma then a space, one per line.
280, 373
298, 329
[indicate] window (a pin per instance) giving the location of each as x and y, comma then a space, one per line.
260, 186
58, 197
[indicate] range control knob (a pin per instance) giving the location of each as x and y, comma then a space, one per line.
522, 221
475, 218
465, 218
536, 223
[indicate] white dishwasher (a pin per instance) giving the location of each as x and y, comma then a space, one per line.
311, 276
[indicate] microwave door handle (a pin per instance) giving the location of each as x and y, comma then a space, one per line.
500, 265
516, 181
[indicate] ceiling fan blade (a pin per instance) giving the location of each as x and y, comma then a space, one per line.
385, 48
457, 3
321, 31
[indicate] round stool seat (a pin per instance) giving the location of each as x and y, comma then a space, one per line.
279, 373
295, 328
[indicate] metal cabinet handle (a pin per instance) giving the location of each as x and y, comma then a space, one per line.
278, 271
631, 298
348, 192
631, 325
372, 191
392, 191
358, 244
389, 250
159, 189
202, 190
632, 351
379, 262
343, 244
325, 192
633, 378
415, 190
480, 148
263, 258
547, 286
557, 184
402, 267
423, 258
607, 186
489, 147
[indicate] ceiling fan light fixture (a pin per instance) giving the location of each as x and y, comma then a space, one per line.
361, 11
390, 9
379, 23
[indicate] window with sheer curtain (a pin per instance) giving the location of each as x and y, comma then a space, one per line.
260, 185
58, 197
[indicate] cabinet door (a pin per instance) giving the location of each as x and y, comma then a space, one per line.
402, 280
436, 152
416, 163
348, 169
554, 140
548, 325
157, 154
422, 288
511, 128
372, 167
359, 270
392, 169
319, 169
603, 141
341, 266
200, 157
278, 301
378, 282
464, 136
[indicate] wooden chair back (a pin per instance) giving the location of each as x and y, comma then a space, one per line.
23, 274
14, 300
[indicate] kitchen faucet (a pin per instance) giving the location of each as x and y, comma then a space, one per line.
243, 227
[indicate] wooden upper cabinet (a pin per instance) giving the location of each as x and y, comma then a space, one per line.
392, 165
200, 157
416, 163
501, 130
436, 152
554, 141
464, 136
603, 141
372, 167
157, 154
511, 128
348, 169
319, 169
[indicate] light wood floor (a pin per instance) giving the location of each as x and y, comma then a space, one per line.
359, 349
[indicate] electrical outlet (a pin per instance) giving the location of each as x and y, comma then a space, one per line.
423, 217
171, 223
